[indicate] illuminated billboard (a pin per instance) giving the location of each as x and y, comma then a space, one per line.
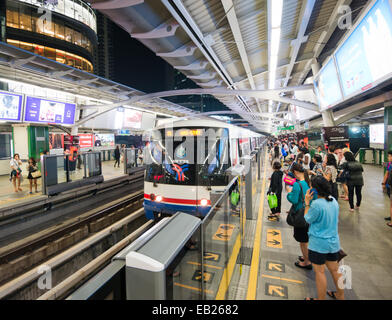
376, 133
132, 119
364, 59
327, 86
10, 106
49, 111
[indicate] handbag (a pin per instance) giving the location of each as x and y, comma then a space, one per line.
36, 174
296, 218
341, 255
272, 200
234, 197
289, 180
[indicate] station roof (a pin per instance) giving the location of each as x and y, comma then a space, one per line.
230, 43
20, 65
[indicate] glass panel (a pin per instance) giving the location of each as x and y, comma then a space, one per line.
222, 243
5, 145
60, 31
55, 169
76, 166
183, 276
93, 164
69, 34
13, 16
25, 19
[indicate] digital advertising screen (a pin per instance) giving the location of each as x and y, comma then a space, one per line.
365, 57
56, 141
327, 86
104, 140
86, 140
132, 119
376, 133
10, 106
49, 111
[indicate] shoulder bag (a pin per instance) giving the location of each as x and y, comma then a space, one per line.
296, 218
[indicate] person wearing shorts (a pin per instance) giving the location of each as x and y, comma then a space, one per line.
322, 215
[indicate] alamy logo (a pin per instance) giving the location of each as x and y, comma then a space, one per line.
45, 281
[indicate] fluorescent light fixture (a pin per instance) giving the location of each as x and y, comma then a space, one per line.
275, 41
275, 23
276, 13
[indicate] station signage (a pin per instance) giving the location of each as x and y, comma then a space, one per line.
132, 119
286, 128
49, 111
10, 106
86, 140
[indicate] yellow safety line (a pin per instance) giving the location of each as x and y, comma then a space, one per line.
191, 288
284, 279
206, 265
224, 285
254, 268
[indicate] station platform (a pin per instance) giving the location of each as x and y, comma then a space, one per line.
363, 234
8, 197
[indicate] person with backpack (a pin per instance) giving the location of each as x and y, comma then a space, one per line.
295, 196
354, 179
275, 154
276, 187
387, 184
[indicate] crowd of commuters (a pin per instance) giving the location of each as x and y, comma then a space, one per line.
313, 185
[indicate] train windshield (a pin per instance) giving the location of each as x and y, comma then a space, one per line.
188, 156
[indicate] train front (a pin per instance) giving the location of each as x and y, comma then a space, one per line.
183, 166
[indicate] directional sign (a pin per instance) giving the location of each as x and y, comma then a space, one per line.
208, 276
286, 128
276, 290
275, 266
274, 238
224, 232
211, 256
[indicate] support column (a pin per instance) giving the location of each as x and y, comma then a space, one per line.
387, 129
327, 115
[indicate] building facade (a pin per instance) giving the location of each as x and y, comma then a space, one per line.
61, 30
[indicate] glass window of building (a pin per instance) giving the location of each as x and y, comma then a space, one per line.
54, 54
12, 15
60, 31
5, 145
25, 19
69, 34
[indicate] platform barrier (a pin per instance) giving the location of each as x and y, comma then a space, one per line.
183, 257
62, 172
370, 156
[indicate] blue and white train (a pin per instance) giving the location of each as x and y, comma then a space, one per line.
182, 178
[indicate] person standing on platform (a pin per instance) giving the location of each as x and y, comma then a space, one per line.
295, 198
387, 184
117, 155
322, 214
330, 173
276, 187
16, 171
318, 166
354, 178
275, 154
32, 167
340, 179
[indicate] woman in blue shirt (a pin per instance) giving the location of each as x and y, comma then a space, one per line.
295, 198
323, 217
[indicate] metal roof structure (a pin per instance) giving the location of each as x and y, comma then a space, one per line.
232, 43
20, 65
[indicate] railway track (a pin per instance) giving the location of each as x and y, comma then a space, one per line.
36, 249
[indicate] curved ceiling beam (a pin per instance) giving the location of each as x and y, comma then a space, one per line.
262, 94
116, 4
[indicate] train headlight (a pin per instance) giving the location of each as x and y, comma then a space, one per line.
158, 198
203, 202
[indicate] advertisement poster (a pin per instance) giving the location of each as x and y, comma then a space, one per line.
327, 86
104, 140
337, 136
302, 136
376, 133
56, 141
132, 119
86, 140
365, 57
10, 106
48, 111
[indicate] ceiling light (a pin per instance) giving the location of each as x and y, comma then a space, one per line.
276, 13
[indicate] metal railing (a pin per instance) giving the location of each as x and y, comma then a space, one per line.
370, 156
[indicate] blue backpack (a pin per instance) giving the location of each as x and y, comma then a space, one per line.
284, 153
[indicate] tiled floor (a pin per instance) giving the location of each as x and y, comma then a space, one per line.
363, 235
9, 197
